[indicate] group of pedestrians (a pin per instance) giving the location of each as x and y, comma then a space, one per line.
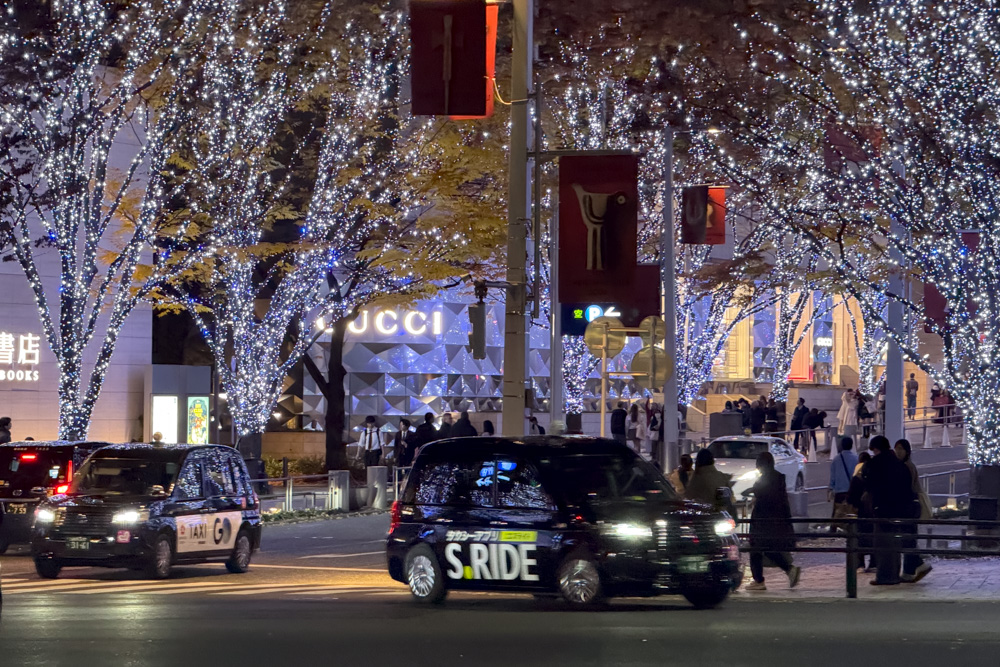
884, 486
641, 425
407, 440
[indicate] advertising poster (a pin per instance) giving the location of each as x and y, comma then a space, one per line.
197, 420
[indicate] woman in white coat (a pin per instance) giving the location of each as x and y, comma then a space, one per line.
636, 426
848, 415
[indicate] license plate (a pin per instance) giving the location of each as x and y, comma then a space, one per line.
17, 508
78, 543
693, 565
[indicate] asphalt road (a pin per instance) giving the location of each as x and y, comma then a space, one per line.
490, 630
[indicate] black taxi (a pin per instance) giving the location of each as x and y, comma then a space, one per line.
582, 517
149, 507
30, 472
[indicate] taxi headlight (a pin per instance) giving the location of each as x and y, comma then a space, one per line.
43, 515
725, 527
129, 517
628, 530
749, 476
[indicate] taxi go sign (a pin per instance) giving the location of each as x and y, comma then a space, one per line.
19, 350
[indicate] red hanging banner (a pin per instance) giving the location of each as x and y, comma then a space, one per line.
492, 13
448, 57
703, 215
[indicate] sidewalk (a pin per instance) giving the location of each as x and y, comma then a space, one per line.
824, 577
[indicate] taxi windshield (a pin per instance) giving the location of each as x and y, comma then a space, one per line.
22, 468
611, 477
737, 449
124, 476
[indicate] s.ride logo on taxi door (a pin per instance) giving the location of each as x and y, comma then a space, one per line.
499, 562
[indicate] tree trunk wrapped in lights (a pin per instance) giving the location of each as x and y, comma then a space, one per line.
879, 131
84, 170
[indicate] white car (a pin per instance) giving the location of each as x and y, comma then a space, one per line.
736, 455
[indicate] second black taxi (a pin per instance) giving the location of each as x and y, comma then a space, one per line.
584, 518
149, 507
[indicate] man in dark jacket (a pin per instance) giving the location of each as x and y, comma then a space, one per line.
4, 430
771, 531
799, 423
618, 417
758, 415
463, 427
425, 432
889, 484
403, 444
444, 431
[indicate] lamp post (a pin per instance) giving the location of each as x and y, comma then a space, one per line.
671, 428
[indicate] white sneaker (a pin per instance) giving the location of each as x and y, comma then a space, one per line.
755, 586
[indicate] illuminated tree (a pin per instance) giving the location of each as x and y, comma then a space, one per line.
879, 130
80, 144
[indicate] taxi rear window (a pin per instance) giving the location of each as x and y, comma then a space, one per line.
24, 468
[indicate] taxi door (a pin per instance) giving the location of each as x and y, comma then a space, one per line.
520, 551
225, 509
189, 509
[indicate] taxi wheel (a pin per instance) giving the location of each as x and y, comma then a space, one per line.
707, 598
424, 575
579, 581
47, 568
239, 562
161, 559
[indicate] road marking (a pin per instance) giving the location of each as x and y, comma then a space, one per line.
358, 555
51, 583
336, 589
270, 588
316, 567
152, 587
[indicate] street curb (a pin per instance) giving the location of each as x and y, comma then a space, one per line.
309, 516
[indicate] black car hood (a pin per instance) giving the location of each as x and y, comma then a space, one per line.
97, 501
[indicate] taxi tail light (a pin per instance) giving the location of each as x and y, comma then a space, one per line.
29, 457
395, 515
62, 488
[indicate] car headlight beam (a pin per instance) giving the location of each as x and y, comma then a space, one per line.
43, 515
749, 476
725, 527
128, 517
628, 530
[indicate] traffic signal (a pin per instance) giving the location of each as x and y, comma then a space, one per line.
477, 337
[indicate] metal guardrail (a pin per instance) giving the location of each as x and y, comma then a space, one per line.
900, 531
332, 491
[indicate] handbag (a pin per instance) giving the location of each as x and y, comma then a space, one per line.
926, 512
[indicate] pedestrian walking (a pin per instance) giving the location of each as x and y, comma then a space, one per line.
861, 502
463, 428
425, 433
912, 388
914, 567
703, 486
681, 475
444, 431
4, 430
841, 471
534, 428
888, 482
771, 416
619, 416
799, 423
771, 531
488, 429
847, 417
758, 416
403, 444
653, 429
636, 426
370, 442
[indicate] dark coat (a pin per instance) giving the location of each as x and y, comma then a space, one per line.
4, 436
618, 418
463, 428
424, 433
405, 448
444, 431
799, 417
890, 486
757, 419
770, 524
813, 421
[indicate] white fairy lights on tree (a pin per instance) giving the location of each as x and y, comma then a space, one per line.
362, 238
913, 85
88, 145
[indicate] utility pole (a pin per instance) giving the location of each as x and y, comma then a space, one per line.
670, 454
515, 325
894, 356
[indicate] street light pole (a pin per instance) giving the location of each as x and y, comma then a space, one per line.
669, 454
515, 326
